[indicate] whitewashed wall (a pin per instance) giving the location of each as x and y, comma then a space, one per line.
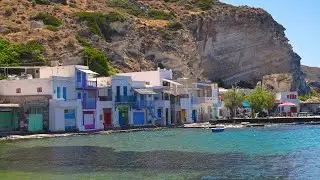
56, 114
27, 86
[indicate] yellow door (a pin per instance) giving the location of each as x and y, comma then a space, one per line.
184, 115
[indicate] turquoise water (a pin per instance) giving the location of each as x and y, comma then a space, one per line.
276, 152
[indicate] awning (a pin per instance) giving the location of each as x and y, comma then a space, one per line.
9, 105
88, 71
173, 82
144, 91
287, 104
246, 104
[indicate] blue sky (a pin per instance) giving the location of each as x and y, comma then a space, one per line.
301, 18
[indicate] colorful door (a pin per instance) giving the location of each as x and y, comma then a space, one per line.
194, 115
88, 120
107, 117
123, 117
69, 119
35, 119
5, 121
183, 115
35, 122
138, 118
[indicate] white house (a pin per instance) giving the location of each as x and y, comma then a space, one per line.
288, 97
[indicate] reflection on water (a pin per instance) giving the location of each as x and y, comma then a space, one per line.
284, 152
82, 159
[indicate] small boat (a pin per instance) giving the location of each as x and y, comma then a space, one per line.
217, 129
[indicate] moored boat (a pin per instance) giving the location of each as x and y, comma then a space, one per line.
217, 129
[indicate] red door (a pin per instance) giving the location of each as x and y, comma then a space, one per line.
107, 119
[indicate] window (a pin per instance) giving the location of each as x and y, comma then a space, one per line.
125, 90
78, 76
37, 71
18, 90
64, 93
39, 89
159, 113
58, 92
35, 110
79, 95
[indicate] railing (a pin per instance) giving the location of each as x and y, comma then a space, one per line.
198, 100
144, 104
125, 99
92, 84
87, 84
89, 104
105, 98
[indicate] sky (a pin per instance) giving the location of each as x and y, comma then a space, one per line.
301, 18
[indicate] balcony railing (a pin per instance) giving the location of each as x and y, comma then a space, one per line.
87, 84
89, 104
199, 100
105, 98
144, 104
125, 99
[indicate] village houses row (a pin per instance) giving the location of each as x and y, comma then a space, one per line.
74, 98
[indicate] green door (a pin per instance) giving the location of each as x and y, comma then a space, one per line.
5, 121
35, 122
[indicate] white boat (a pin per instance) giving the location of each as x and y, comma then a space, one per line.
217, 129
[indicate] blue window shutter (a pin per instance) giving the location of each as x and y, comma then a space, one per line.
64, 90
78, 76
58, 92
79, 95
125, 90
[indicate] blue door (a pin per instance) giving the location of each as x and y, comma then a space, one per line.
138, 118
122, 118
84, 80
194, 115
64, 93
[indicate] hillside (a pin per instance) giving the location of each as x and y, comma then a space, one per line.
313, 73
205, 39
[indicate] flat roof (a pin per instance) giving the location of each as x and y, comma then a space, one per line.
9, 105
23, 67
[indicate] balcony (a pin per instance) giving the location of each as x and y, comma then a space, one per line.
144, 104
125, 99
199, 100
105, 98
89, 104
89, 84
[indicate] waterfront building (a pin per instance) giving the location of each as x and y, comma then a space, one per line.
288, 97
59, 98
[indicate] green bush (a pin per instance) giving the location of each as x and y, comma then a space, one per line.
47, 2
206, 4
52, 28
83, 41
307, 96
157, 14
98, 62
48, 19
127, 6
99, 23
12, 54
175, 25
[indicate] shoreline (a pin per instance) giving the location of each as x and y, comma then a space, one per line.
72, 134
205, 125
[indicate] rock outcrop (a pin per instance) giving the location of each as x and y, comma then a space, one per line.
222, 43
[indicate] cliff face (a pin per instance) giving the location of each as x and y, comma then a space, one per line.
223, 42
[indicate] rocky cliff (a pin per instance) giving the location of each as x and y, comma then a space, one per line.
205, 39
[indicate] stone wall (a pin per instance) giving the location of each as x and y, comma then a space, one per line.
25, 103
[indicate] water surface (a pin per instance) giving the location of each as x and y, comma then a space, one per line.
277, 152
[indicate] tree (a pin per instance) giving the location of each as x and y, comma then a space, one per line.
260, 99
233, 99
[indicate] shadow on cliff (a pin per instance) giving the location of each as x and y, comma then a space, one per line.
83, 159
